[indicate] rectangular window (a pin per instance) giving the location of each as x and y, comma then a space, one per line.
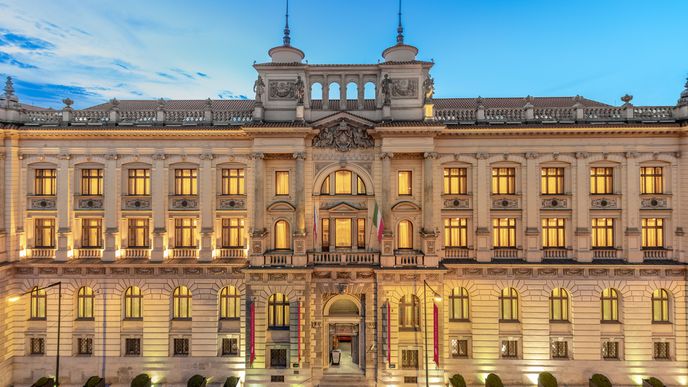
360, 233
504, 181
601, 180
233, 182
44, 233
91, 232
132, 346
509, 349
404, 183
455, 181
342, 183
552, 181
409, 359
186, 182
84, 346
233, 232
610, 350
459, 348
553, 233
603, 233
651, 180
342, 233
282, 183
326, 234
652, 233
661, 351
455, 232
91, 181
278, 358
560, 349
185, 232
180, 347
137, 233
230, 346
37, 346
139, 182
504, 233
45, 182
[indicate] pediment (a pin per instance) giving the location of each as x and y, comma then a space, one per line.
406, 206
343, 207
281, 206
333, 119
343, 132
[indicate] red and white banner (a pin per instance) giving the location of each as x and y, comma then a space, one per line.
252, 333
435, 334
298, 331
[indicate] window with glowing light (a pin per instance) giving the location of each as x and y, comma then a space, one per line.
38, 303
504, 181
85, 302
652, 233
409, 313
459, 304
92, 181
601, 180
186, 181
233, 181
138, 182
660, 306
552, 181
230, 303
278, 312
651, 180
133, 303
181, 303
609, 301
559, 305
455, 181
45, 182
508, 299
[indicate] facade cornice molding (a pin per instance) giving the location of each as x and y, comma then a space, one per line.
70, 133
573, 131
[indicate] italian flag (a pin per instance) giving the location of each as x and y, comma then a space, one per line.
379, 223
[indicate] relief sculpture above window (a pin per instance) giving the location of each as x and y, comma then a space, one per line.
343, 138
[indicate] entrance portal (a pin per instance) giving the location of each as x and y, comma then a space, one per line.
344, 340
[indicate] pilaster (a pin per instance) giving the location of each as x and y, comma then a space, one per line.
64, 207
111, 193
582, 214
207, 205
159, 206
482, 203
532, 209
631, 210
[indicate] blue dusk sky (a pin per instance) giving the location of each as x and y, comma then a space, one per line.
95, 50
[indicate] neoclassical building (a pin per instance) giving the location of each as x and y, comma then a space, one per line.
401, 234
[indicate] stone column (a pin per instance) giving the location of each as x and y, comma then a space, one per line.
532, 209
631, 210
482, 200
429, 232
325, 95
258, 233
582, 213
361, 93
342, 95
12, 214
159, 191
64, 207
111, 193
207, 204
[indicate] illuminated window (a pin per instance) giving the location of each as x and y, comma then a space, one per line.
459, 306
459, 348
91, 232
602, 233
278, 311
137, 232
508, 300
44, 233
404, 183
342, 183
553, 232
282, 183
282, 237
325, 234
185, 232
405, 235
342, 233
552, 181
325, 188
360, 233
133, 303
651, 180
84, 301
559, 305
601, 180
230, 303
45, 182
455, 181
504, 233
181, 303
91, 181
455, 232
38, 304
409, 312
360, 186
660, 305
652, 232
610, 350
139, 182
504, 181
186, 182
233, 182
509, 349
610, 305
661, 350
233, 233
559, 349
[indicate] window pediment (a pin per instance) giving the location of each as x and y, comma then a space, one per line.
406, 206
343, 207
281, 206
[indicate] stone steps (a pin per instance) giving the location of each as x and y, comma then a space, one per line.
343, 380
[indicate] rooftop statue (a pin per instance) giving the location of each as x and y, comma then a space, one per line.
429, 88
259, 88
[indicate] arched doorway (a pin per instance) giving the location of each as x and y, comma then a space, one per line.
344, 334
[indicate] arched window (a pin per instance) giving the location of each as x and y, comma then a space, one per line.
342, 182
559, 305
325, 188
369, 90
405, 235
38, 304
282, 239
316, 91
660, 305
345, 183
351, 91
409, 312
84, 301
334, 94
278, 311
133, 303
610, 305
181, 303
458, 300
509, 304
230, 303
360, 186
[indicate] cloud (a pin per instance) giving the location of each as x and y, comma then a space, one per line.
202, 75
51, 95
182, 73
24, 42
9, 59
166, 76
227, 94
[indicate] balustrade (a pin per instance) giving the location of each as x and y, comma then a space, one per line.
344, 258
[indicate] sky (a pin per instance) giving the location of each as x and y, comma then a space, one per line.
92, 51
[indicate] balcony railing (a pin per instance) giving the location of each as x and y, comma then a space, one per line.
278, 258
344, 258
409, 258
506, 253
88, 252
555, 253
457, 252
136, 253
239, 252
41, 253
658, 253
605, 253
184, 252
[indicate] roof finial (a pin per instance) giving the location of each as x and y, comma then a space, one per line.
400, 28
9, 87
286, 39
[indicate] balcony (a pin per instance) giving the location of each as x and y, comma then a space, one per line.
506, 253
344, 258
458, 253
409, 258
657, 253
233, 252
555, 253
278, 258
610, 253
136, 253
184, 252
88, 252
41, 252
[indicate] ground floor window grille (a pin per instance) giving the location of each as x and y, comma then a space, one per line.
180, 347
85, 346
278, 358
662, 350
560, 350
230, 346
409, 359
132, 347
459, 348
509, 349
37, 346
610, 350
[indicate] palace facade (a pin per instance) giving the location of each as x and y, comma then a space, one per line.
234, 237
